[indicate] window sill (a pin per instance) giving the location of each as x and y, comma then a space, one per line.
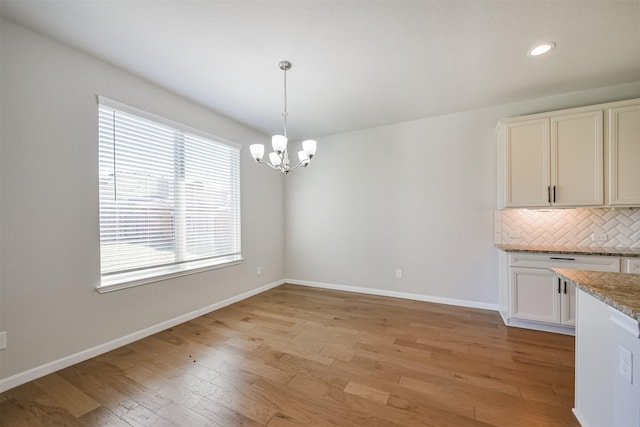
137, 278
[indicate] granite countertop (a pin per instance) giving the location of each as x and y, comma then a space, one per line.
573, 250
618, 290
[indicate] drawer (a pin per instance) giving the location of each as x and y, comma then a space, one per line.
632, 265
576, 262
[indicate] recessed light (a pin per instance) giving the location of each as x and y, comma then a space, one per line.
540, 49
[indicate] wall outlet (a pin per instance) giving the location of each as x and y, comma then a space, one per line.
3, 340
598, 237
625, 365
259, 271
398, 274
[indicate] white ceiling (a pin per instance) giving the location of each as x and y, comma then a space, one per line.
356, 64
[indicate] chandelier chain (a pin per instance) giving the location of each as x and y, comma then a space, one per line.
284, 112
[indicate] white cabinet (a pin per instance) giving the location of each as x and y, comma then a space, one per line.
536, 298
631, 265
536, 294
587, 156
577, 165
624, 155
555, 160
568, 302
527, 161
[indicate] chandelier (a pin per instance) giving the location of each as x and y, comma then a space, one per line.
279, 157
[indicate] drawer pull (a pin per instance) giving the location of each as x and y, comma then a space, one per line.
559, 281
561, 258
565, 287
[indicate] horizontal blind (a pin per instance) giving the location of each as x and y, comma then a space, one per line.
167, 196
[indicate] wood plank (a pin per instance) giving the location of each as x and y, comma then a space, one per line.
365, 392
66, 395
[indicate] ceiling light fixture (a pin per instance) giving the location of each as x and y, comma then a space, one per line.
279, 157
541, 49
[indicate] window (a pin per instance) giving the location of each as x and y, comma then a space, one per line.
169, 198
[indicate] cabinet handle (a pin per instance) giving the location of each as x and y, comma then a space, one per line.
565, 287
559, 282
549, 193
562, 258
554, 194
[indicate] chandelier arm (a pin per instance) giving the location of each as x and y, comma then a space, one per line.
296, 167
268, 164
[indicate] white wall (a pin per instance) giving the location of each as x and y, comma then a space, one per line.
418, 196
49, 196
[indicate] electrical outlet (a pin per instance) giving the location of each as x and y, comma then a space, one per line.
625, 365
398, 274
598, 237
259, 271
3, 340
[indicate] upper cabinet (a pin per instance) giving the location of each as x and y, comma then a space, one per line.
624, 155
527, 157
577, 177
556, 159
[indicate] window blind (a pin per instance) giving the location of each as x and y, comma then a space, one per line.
168, 197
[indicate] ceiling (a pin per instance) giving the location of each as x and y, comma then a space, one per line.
356, 64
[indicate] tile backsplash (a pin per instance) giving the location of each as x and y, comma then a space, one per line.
611, 228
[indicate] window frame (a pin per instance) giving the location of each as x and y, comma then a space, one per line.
127, 279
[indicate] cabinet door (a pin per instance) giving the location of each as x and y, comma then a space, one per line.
568, 302
577, 176
527, 163
624, 156
534, 295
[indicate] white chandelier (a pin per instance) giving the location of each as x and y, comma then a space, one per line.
279, 157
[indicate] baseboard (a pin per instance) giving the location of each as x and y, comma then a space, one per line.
395, 294
579, 417
56, 365
540, 326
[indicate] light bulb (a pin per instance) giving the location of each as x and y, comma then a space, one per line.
309, 147
279, 143
275, 159
540, 49
257, 151
304, 159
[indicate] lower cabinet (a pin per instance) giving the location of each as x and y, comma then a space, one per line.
536, 298
538, 295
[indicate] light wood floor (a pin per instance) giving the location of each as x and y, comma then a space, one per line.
300, 356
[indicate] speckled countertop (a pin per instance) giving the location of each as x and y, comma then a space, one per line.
574, 250
619, 290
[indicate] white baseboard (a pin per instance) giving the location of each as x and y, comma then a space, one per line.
395, 294
56, 365
579, 417
540, 326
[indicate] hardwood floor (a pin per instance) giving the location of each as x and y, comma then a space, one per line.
301, 356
